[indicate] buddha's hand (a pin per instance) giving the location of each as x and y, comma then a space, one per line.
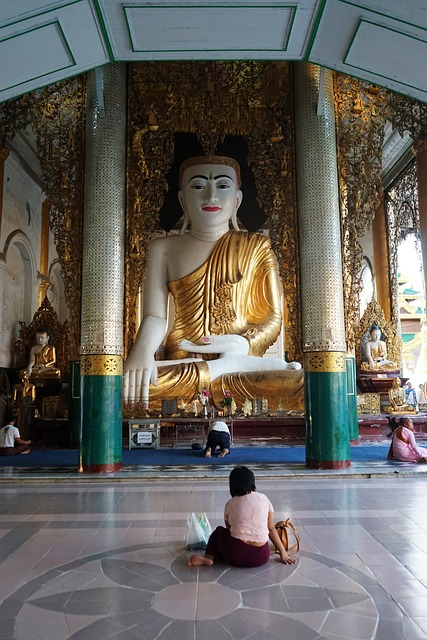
295, 366
224, 344
138, 374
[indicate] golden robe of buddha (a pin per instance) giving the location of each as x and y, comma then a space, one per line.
235, 292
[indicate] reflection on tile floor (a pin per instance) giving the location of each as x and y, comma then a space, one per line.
107, 560
369, 469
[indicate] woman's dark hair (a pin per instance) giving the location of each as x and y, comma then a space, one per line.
242, 481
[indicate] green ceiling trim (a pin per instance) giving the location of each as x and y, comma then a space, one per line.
377, 73
315, 28
101, 19
290, 23
56, 23
382, 14
41, 13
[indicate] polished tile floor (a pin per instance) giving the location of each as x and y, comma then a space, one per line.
106, 560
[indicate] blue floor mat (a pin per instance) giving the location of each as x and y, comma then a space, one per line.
163, 456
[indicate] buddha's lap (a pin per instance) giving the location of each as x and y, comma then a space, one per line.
283, 388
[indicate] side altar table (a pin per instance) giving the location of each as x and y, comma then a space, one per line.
149, 433
196, 427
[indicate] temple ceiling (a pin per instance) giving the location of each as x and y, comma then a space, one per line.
380, 41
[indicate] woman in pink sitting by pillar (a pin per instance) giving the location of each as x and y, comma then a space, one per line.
249, 524
403, 446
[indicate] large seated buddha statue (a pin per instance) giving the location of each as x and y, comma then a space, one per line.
226, 292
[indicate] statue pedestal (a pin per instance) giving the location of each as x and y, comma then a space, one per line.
377, 382
47, 386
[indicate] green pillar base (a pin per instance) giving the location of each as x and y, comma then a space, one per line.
101, 442
353, 423
327, 435
74, 415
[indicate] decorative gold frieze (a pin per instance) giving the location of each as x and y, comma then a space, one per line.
362, 111
369, 403
408, 115
101, 365
56, 115
361, 117
403, 219
325, 362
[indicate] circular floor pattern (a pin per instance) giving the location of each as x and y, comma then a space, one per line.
148, 592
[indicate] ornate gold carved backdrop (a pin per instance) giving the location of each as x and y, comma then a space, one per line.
57, 115
403, 219
361, 117
362, 111
212, 99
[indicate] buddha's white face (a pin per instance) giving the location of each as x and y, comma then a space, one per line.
209, 194
42, 338
375, 335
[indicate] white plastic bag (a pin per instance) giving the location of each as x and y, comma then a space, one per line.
198, 531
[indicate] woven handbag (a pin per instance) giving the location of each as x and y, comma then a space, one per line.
288, 535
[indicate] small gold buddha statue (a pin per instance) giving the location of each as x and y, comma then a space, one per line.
397, 398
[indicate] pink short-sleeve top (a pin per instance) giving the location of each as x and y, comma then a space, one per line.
247, 517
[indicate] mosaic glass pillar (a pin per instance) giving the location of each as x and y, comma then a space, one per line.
322, 305
101, 366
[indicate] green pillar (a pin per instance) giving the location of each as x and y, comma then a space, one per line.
101, 446
103, 271
322, 304
327, 441
353, 423
75, 417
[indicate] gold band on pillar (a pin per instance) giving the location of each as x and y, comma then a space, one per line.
101, 365
325, 362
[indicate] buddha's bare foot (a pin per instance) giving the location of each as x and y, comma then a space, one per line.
199, 561
223, 453
23, 453
208, 452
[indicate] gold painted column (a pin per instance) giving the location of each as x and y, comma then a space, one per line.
101, 365
422, 203
44, 252
422, 208
4, 153
322, 303
381, 266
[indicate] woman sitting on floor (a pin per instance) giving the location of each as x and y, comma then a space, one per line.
249, 523
403, 446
